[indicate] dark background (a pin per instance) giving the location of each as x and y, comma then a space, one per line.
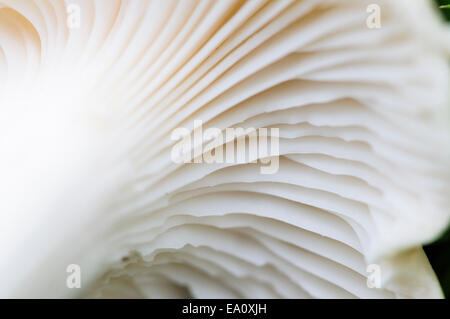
445, 12
439, 252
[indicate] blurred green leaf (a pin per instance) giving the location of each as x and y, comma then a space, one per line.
445, 4
438, 254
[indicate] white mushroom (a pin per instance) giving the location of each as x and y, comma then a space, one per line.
87, 178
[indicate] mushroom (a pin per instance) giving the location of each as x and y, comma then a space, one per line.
90, 92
